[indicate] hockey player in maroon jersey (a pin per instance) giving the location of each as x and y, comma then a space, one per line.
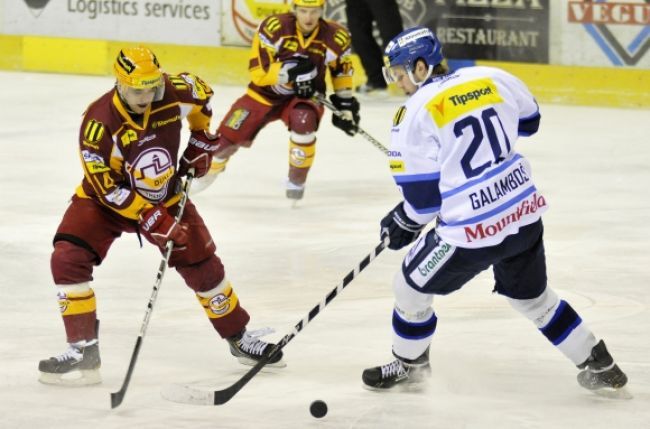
290, 55
129, 143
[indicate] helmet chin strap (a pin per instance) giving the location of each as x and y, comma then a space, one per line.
419, 84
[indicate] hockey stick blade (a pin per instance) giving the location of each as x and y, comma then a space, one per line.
188, 394
118, 397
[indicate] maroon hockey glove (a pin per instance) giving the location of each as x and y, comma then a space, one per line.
198, 154
158, 225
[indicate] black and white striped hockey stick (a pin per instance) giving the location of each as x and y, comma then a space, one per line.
320, 98
118, 397
191, 395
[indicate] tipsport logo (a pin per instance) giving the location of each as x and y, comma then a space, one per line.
36, 6
604, 20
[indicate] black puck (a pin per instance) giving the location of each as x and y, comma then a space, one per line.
318, 409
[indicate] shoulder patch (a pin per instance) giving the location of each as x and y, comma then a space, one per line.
342, 38
272, 25
178, 82
94, 131
399, 116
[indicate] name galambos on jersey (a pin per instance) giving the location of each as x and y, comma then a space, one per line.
527, 207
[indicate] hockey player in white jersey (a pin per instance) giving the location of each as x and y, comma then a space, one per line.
453, 157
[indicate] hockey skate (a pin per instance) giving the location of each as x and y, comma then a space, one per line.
601, 375
249, 349
400, 371
77, 366
295, 192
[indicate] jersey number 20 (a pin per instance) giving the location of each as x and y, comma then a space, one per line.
475, 127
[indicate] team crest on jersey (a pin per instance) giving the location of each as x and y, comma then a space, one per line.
399, 116
237, 118
128, 137
151, 172
290, 45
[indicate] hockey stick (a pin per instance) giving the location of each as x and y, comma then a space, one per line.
320, 98
191, 395
118, 397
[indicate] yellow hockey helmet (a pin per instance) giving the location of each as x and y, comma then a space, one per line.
137, 68
309, 3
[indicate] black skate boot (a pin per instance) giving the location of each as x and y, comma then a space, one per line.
77, 366
249, 349
400, 371
600, 372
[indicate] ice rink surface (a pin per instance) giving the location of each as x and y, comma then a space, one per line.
491, 368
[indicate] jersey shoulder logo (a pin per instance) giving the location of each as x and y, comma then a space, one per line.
93, 132
178, 82
399, 116
272, 25
342, 38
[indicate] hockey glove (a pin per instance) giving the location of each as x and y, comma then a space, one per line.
301, 72
159, 226
198, 154
349, 118
399, 228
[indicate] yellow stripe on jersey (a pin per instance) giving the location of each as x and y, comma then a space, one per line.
77, 302
460, 99
221, 304
399, 116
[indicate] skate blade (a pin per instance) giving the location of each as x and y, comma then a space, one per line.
623, 393
411, 387
202, 183
252, 362
84, 377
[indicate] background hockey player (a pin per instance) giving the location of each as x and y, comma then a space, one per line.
289, 58
129, 143
453, 157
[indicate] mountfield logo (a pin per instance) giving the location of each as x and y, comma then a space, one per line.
596, 17
481, 231
36, 6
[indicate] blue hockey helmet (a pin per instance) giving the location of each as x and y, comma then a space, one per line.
408, 47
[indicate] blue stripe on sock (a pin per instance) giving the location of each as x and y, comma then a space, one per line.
564, 321
414, 331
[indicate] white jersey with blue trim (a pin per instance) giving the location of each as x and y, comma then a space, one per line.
453, 156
